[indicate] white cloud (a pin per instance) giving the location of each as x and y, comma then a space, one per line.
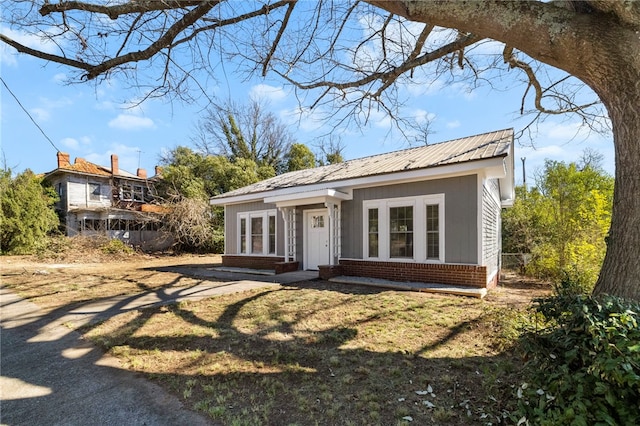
70, 143
40, 114
453, 124
131, 122
76, 143
265, 91
59, 78
421, 116
127, 157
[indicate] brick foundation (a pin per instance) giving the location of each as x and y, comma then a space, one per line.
282, 267
467, 275
251, 262
329, 271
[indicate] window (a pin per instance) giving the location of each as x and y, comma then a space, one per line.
256, 235
92, 225
317, 221
94, 191
272, 234
243, 235
131, 192
373, 233
257, 232
433, 230
401, 229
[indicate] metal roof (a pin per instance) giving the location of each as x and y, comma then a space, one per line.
472, 148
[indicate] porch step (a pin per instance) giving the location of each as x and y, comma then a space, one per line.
412, 286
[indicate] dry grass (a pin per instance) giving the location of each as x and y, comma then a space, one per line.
316, 353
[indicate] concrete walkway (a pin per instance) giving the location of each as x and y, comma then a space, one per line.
52, 376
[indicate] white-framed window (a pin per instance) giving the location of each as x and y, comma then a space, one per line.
257, 232
404, 229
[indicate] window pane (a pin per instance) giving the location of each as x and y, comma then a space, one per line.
256, 235
373, 232
272, 234
401, 231
94, 192
243, 235
433, 227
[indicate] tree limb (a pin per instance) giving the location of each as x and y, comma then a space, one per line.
274, 45
46, 56
113, 12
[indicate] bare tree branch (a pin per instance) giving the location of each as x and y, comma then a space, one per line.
274, 45
113, 12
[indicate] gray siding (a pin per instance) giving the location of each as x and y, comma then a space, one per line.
460, 206
231, 225
491, 219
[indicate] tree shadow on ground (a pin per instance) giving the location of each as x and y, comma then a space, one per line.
271, 373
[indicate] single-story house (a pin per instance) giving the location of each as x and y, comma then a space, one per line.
427, 214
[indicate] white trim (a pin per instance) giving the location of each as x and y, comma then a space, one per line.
494, 167
419, 204
264, 214
309, 197
305, 238
479, 216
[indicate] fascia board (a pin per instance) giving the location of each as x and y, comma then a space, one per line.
307, 197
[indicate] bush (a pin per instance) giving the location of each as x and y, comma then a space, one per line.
584, 365
116, 247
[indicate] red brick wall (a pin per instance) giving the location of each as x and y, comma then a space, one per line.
468, 275
252, 262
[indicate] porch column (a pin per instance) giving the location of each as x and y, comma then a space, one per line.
289, 218
284, 211
335, 244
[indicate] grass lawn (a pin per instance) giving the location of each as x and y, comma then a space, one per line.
315, 353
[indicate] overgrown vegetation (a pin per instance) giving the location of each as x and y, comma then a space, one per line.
563, 221
584, 361
26, 214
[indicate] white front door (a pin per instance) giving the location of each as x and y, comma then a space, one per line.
316, 239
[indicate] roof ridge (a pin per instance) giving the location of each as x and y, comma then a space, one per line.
425, 146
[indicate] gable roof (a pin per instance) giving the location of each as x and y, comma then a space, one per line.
473, 148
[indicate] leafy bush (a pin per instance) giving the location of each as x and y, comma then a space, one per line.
116, 247
584, 365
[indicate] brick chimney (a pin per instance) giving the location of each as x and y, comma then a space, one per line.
63, 160
141, 173
114, 165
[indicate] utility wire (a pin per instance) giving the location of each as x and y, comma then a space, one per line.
29, 115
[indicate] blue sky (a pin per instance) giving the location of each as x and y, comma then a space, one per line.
94, 121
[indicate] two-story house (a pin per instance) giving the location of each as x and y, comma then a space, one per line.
108, 201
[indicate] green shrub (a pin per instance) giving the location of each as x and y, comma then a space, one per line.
584, 364
116, 247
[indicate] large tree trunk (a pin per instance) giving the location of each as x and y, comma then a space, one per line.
620, 273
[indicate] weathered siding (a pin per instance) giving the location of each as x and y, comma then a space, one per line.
78, 195
460, 206
491, 220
